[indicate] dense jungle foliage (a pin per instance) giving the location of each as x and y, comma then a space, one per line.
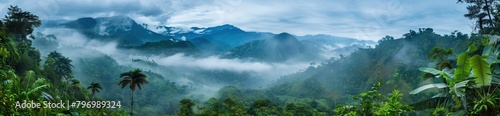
421, 73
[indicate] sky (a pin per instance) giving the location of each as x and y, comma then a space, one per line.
361, 19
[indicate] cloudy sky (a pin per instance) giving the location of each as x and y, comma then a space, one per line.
362, 19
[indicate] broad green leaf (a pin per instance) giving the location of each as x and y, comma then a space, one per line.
463, 69
30, 74
487, 50
37, 89
472, 48
440, 95
481, 70
496, 61
459, 113
429, 70
433, 103
495, 80
429, 86
446, 75
459, 89
494, 39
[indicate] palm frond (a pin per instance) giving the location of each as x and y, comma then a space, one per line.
36, 89
429, 86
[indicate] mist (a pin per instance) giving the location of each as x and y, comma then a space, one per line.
186, 68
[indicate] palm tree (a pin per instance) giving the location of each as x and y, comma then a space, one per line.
440, 55
94, 87
74, 86
135, 78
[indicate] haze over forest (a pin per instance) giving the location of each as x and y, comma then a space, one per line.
239, 57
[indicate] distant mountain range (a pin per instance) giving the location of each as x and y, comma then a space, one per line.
280, 47
222, 37
226, 40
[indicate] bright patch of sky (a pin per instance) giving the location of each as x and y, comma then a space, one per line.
362, 19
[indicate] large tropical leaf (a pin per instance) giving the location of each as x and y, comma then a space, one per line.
432, 103
446, 74
459, 89
429, 86
430, 70
36, 89
30, 75
488, 50
463, 69
47, 96
481, 70
471, 48
441, 95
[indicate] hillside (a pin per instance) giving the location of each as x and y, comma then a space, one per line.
280, 48
116, 28
394, 62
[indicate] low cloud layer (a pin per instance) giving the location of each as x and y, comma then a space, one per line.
368, 20
75, 46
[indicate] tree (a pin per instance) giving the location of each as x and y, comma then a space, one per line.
263, 107
60, 65
440, 55
94, 87
472, 79
133, 78
75, 86
233, 107
186, 107
20, 23
479, 10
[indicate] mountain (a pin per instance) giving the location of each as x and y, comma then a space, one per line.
116, 28
211, 40
279, 48
394, 62
332, 46
164, 47
127, 33
223, 35
210, 46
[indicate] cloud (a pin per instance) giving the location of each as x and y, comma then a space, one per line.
75, 46
368, 20
211, 63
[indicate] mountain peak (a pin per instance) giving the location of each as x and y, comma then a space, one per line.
225, 27
285, 37
284, 34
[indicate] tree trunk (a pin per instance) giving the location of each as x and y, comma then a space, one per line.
488, 11
132, 101
94, 100
132, 104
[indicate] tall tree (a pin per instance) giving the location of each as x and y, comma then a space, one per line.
440, 55
61, 65
480, 10
186, 107
94, 87
133, 78
75, 86
20, 23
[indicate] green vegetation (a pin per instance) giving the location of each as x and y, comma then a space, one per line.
23, 79
134, 79
421, 73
